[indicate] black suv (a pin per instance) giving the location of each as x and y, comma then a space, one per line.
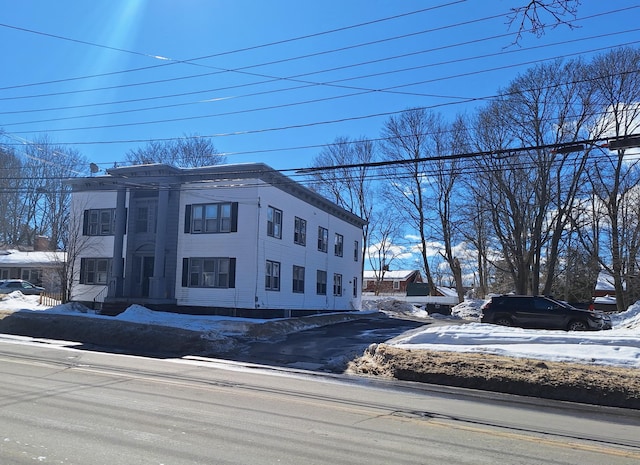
541, 312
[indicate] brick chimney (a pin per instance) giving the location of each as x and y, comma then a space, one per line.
41, 244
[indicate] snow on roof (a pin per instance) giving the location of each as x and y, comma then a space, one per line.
447, 291
389, 275
33, 259
605, 282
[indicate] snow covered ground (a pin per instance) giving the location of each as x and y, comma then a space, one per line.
619, 346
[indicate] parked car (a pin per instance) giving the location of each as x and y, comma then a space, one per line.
21, 285
541, 312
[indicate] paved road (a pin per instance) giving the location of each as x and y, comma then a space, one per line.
330, 348
64, 406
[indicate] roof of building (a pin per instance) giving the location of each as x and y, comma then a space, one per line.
391, 275
12, 258
158, 174
605, 282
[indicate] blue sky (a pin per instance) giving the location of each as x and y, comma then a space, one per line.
281, 78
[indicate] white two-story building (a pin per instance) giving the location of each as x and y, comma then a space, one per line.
235, 239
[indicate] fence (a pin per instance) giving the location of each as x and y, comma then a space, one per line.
50, 299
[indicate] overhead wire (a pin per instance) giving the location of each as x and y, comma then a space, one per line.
229, 52
294, 78
271, 129
363, 90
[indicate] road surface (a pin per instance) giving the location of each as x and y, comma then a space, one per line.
64, 406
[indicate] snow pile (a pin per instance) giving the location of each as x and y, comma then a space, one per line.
221, 324
393, 307
619, 346
16, 300
629, 319
468, 310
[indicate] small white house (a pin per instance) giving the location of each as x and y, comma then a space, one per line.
238, 238
40, 267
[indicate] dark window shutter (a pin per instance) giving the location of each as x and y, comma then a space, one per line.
187, 219
234, 217
185, 272
232, 272
85, 223
82, 266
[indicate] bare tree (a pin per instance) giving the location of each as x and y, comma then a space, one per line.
384, 250
616, 176
445, 183
12, 219
188, 152
407, 141
47, 166
533, 192
347, 181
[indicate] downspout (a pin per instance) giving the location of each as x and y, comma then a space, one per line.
118, 243
255, 294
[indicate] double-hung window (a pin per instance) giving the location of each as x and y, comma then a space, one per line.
272, 276
300, 231
298, 279
209, 218
338, 245
337, 284
323, 239
95, 270
321, 282
274, 222
99, 222
217, 272
146, 218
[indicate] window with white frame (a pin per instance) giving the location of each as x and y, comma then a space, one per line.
274, 222
211, 218
323, 239
95, 270
338, 245
146, 218
396, 284
337, 284
321, 282
356, 251
272, 276
300, 231
355, 287
99, 222
298, 279
214, 272
33, 275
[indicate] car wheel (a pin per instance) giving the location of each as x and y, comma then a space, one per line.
577, 325
503, 321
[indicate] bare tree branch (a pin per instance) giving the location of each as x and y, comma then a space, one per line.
538, 15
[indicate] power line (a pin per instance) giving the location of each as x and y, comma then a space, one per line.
288, 127
364, 90
301, 125
191, 60
293, 78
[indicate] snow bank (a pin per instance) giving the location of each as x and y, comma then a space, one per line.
619, 346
